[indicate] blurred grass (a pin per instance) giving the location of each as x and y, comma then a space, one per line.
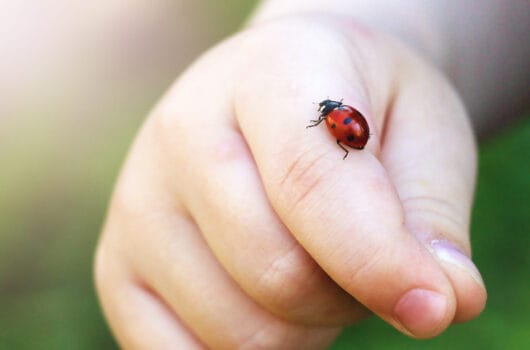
52, 210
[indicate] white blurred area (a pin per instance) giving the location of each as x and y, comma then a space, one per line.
77, 78
72, 59
73, 72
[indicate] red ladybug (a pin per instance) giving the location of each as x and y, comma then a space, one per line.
345, 123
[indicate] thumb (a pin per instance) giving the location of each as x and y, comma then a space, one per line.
429, 152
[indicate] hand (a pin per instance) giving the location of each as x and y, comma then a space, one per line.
232, 225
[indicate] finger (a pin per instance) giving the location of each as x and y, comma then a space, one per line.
247, 237
167, 251
209, 301
222, 191
346, 214
138, 318
429, 153
177, 264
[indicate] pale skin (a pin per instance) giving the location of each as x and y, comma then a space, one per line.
234, 226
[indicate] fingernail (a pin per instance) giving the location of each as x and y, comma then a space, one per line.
448, 252
421, 311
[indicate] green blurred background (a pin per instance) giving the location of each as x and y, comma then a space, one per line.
77, 81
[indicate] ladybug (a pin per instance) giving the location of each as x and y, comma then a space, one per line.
345, 123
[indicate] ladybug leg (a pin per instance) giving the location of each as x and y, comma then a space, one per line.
344, 148
316, 122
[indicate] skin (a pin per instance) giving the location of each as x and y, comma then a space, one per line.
232, 226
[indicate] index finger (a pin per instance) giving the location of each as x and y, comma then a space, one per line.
346, 214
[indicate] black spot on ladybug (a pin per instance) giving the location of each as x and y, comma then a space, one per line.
333, 126
347, 121
350, 137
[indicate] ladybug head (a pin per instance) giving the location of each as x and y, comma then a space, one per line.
326, 106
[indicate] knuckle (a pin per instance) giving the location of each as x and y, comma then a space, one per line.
378, 181
363, 265
141, 190
286, 283
446, 219
304, 175
271, 336
167, 129
125, 202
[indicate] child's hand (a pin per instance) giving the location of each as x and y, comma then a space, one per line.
233, 225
